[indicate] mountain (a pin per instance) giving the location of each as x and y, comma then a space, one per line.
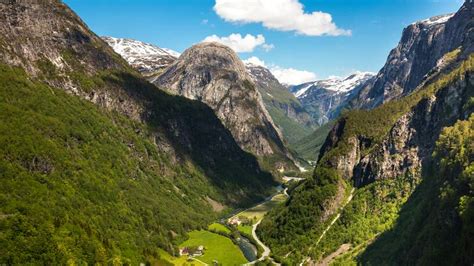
324, 99
286, 111
212, 73
420, 51
148, 59
97, 164
284, 108
391, 185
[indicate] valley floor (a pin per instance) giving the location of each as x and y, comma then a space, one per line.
217, 243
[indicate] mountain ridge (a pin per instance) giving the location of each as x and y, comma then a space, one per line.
324, 99
148, 59
421, 46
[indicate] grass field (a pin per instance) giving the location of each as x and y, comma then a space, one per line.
216, 247
219, 228
167, 259
259, 211
246, 229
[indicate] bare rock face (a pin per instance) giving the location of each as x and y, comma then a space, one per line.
422, 46
213, 73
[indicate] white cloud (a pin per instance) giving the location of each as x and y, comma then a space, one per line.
267, 47
291, 76
255, 61
283, 15
240, 44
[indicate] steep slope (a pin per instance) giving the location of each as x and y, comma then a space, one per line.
148, 59
97, 164
436, 224
309, 146
384, 154
419, 53
285, 110
324, 99
212, 73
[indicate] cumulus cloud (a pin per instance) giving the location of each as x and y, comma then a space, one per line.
283, 15
291, 76
255, 61
240, 44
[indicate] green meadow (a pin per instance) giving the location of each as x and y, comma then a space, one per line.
216, 248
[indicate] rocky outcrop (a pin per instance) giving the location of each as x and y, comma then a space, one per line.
418, 54
410, 141
212, 73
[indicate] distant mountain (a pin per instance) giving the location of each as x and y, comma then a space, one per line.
147, 58
324, 99
420, 52
286, 110
214, 74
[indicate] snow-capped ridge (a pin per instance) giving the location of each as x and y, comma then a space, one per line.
435, 20
335, 84
130, 48
147, 58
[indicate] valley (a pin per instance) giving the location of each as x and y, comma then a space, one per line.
118, 151
222, 240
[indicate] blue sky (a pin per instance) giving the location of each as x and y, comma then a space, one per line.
375, 26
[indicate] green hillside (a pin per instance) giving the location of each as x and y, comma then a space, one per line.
86, 185
293, 228
308, 147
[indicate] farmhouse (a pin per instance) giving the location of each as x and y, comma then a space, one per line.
192, 251
234, 221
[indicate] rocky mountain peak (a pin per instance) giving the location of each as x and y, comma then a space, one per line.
147, 58
214, 74
324, 99
211, 57
335, 84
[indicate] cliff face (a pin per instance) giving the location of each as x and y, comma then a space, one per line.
212, 73
418, 53
410, 141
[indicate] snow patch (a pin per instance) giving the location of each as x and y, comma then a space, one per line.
435, 20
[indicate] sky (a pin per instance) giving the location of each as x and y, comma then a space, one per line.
298, 40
